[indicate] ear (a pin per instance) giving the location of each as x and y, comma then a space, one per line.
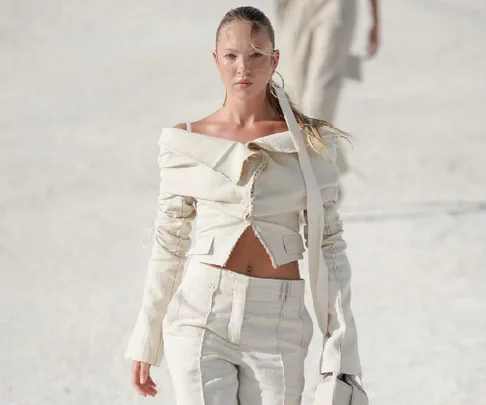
215, 58
275, 58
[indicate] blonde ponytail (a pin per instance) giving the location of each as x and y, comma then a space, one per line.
311, 126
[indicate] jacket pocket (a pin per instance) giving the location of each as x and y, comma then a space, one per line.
202, 246
293, 244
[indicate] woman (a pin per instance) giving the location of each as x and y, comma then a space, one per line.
235, 328
318, 35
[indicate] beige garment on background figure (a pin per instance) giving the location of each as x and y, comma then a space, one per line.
315, 37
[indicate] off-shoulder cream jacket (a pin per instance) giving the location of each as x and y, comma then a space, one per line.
223, 187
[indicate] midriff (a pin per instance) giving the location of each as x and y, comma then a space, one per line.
250, 257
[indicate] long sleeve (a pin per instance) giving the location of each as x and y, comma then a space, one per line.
340, 351
166, 265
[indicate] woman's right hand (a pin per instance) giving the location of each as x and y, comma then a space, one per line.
141, 379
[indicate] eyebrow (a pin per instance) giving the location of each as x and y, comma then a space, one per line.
253, 49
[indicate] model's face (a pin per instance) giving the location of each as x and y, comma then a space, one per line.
245, 60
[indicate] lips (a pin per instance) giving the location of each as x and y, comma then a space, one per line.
243, 82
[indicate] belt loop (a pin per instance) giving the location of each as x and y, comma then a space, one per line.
245, 285
232, 279
219, 279
285, 293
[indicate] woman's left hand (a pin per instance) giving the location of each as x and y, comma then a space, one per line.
141, 380
374, 40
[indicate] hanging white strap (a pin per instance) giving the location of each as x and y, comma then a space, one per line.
315, 218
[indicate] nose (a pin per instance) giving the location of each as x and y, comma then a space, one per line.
243, 67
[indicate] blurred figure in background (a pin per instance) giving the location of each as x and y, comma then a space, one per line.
317, 36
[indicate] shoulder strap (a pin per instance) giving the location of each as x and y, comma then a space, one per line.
315, 217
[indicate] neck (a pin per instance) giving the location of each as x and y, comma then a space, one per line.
247, 112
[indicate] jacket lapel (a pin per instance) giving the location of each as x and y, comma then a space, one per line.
280, 142
222, 155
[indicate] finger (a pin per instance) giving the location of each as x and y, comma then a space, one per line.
150, 386
135, 372
149, 378
140, 389
144, 372
372, 48
375, 48
150, 390
147, 389
144, 389
151, 382
135, 378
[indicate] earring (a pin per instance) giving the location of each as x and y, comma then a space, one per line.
281, 78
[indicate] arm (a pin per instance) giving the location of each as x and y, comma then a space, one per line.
166, 264
340, 353
374, 35
374, 10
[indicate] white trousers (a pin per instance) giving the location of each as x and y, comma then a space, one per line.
315, 37
231, 339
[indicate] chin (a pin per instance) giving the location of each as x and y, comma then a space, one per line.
248, 92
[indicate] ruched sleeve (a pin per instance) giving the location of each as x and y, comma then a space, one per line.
170, 245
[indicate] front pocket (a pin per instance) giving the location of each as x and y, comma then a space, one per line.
196, 301
308, 326
172, 308
202, 246
293, 244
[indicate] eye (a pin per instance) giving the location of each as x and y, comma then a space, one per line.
230, 55
256, 54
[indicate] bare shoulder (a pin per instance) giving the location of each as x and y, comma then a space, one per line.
209, 125
197, 126
209, 120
